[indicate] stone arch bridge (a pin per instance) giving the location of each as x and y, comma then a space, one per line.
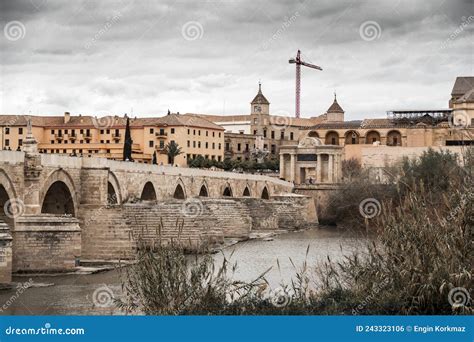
60, 210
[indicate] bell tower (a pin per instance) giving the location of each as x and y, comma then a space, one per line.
259, 104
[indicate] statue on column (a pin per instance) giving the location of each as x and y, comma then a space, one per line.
259, 152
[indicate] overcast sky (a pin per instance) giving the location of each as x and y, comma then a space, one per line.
100, 57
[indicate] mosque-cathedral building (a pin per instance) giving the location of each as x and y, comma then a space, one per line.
219, 137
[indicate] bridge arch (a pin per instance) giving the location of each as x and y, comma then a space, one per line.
265, 193
227, 192
246, 192
7, 195
58, 195
148, 192
179, 190
114, 195
204, 190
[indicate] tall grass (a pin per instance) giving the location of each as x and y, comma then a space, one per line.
421, 250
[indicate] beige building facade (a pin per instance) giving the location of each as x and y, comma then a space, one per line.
104, 137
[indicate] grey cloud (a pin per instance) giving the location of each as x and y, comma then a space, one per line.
141, 56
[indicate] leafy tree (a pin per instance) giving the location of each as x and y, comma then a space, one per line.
173, 150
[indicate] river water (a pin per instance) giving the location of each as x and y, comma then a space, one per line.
73, 294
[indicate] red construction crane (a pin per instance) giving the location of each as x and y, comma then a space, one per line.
299, 63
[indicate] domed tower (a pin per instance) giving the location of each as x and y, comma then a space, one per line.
260, 104
335, 113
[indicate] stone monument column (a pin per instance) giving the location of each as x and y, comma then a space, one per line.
331, 168
282, 165
318, 168
292, 166
32, 172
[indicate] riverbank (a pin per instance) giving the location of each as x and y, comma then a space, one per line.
73, 294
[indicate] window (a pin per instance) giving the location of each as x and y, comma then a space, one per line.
189, 143
207, 144
7, 142
82, 131
194, 144
172, 131
219, 148
162, 144
254, 132
238, 147
194, 132
151, 131
213, 145
101, 131
264, 133
52, 141
189, 131
108, 150
213, 134
282, 135
20, 130
219, 158
273, 135
65, 141
199, 132
65, 131
102, 141
246, 147
265, 146
273, 149
20, 142
207, 133
162, 131
199, 144
333, 141
150, 143
7, 130
108, 131
291, 135
219, 134
107, 141
227, 146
